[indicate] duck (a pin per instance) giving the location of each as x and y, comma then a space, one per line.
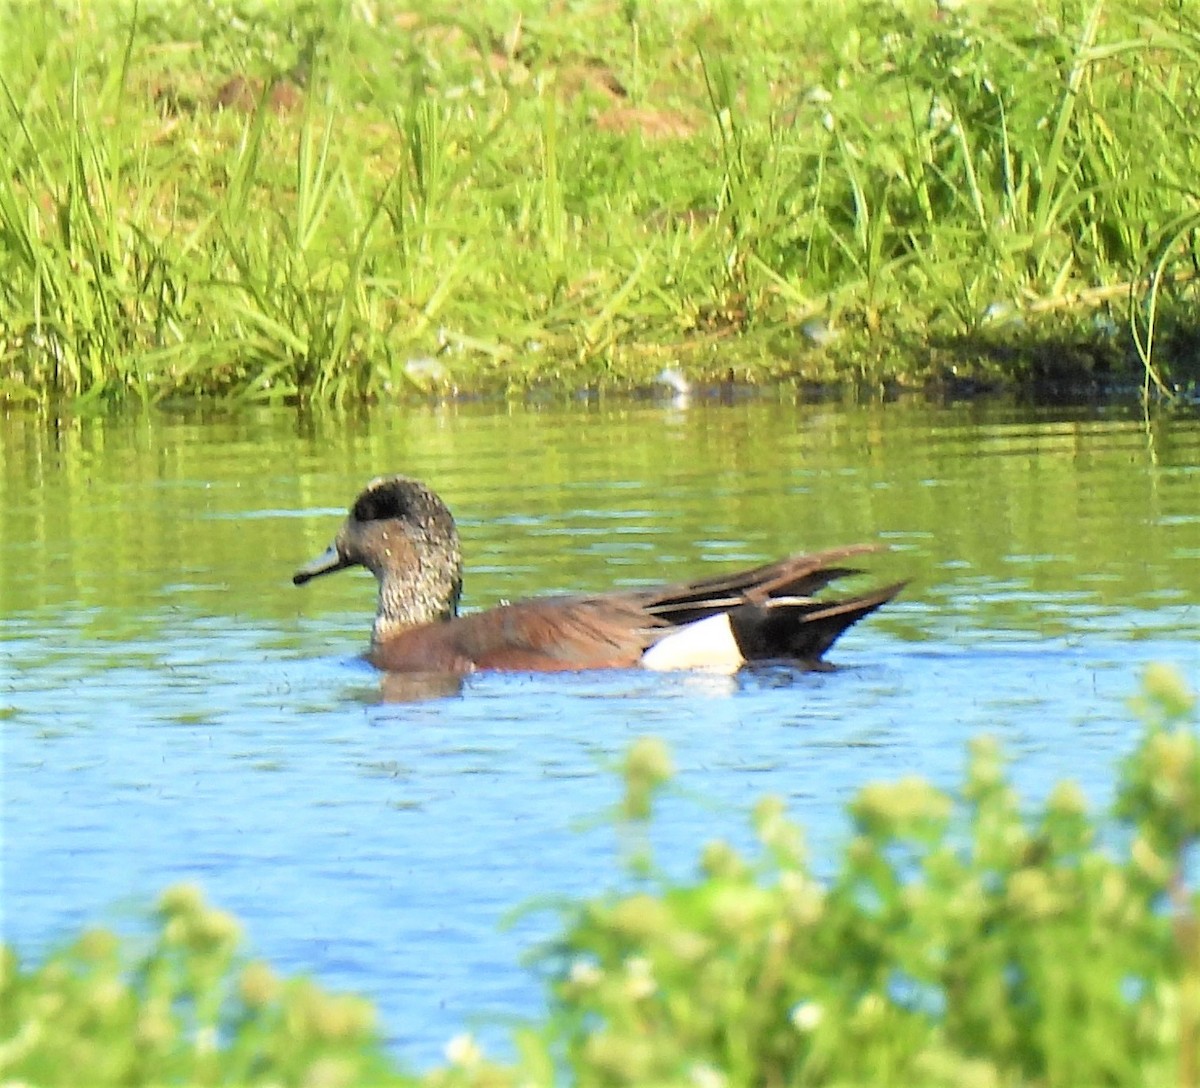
406, 536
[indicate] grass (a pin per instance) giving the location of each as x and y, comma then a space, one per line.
330, 202
963, 940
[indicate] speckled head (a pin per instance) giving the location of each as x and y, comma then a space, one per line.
405, 535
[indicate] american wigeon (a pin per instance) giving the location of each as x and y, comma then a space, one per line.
404, 534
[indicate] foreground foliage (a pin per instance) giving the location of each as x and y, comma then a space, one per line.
962, 941
333, 202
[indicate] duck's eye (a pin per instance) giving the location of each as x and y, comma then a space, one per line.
379, 505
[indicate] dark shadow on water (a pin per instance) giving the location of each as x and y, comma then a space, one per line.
1046, 369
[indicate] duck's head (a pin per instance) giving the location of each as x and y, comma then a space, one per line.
405, 535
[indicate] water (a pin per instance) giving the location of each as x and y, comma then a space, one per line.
173, 709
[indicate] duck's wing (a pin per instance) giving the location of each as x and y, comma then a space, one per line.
549, 634
794, 576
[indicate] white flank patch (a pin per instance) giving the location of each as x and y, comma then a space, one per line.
706, 644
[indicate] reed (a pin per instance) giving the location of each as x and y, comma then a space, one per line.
332, 203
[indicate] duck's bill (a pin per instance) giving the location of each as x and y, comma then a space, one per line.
325, 563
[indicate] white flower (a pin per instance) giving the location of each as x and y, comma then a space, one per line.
806, 1016
640, 979
585, 973
463, 1051
939, 116
704, 1075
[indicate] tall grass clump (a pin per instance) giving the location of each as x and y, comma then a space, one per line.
963, 938
334, 202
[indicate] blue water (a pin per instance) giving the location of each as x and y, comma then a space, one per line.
174, 710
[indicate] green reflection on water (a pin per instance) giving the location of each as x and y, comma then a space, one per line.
1005, 518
